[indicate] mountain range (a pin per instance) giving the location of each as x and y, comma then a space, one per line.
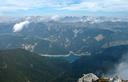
60, 49
56, 37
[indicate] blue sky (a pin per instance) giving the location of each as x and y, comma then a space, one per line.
64, 7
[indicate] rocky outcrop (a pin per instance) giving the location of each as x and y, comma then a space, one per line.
116, 79
88, 78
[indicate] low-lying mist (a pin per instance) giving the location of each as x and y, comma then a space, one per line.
121, 68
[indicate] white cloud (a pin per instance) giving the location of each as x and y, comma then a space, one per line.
122, 70
81, 6
19, 26
98, 5
89, 5
30, 4
55, 17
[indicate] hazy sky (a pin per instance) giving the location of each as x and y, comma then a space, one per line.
64, 7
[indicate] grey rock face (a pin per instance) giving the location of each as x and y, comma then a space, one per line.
88, 78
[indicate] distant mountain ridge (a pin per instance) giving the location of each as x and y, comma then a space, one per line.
56, 37
91, 19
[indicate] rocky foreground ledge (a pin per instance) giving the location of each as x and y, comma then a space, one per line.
90, 77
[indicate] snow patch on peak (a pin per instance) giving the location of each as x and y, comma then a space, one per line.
29, 47
76, 31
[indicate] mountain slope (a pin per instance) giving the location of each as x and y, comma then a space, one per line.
98, 63
18, 65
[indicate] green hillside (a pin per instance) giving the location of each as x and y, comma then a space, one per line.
18, 65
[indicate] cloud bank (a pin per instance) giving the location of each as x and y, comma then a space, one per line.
63, 5
55, 18
122, 68
19, 26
